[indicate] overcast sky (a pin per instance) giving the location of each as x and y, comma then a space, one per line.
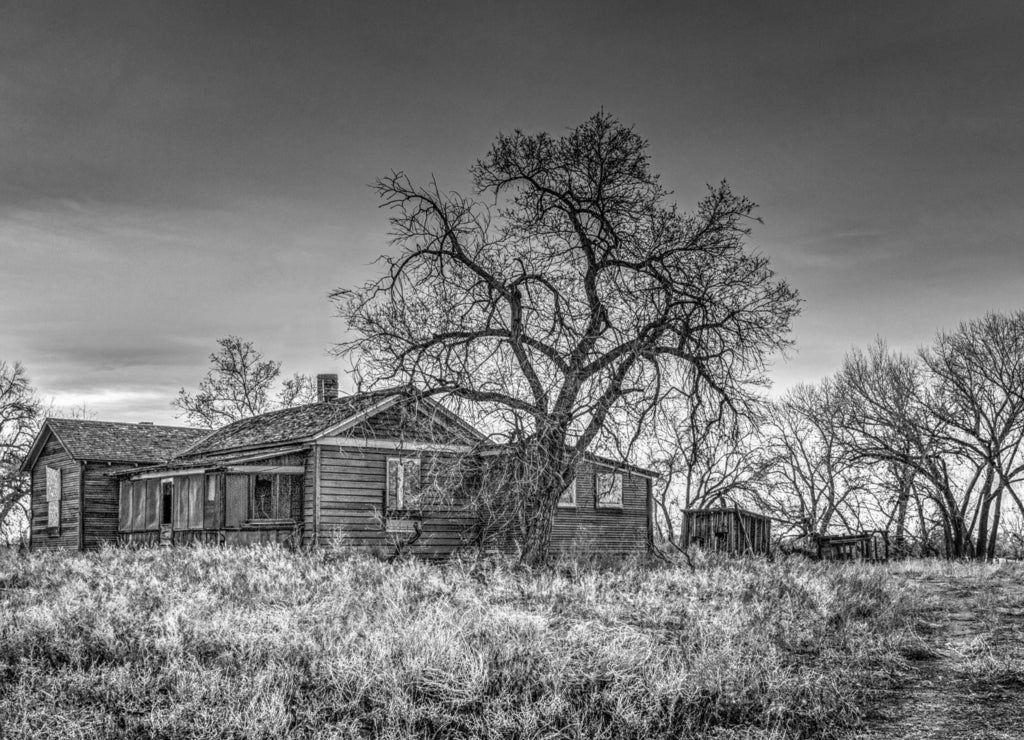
175, 172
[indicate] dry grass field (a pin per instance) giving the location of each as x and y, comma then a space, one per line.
261, 642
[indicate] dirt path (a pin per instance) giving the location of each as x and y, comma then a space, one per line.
967, 678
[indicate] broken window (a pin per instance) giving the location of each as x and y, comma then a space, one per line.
272, 495
609, 490
403, 484
568, 498
52, 497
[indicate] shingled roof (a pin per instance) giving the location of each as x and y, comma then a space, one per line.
113, 441
286, 425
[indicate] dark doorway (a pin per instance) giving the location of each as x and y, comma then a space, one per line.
166, 491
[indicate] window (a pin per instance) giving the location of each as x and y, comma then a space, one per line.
271, 496
52, 497
195, 502
124, 520
403, 486
609, 491
568, 498
152, 496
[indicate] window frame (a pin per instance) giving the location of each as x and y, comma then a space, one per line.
54, 496
617, 482
574, 503
276, 498
399, 496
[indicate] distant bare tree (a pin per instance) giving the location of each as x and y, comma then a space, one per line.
978, 372
19, 419
297, 391
241, 384
950, 423
576, 295
814, 480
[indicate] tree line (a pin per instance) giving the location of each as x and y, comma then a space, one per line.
925, 447
568, 306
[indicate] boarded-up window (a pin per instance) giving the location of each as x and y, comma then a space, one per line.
403, 482
52, 497
124, 518
214, 508
568, 498
180, 503
139, 505
195, 502
237, 500
291, 494
152, 504
609, 490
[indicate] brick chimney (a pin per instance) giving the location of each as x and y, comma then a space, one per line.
327, 387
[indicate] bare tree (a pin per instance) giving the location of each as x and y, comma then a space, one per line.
576, 294
705, 454
296, 391
241, 384
951, 424
814, 481
19, 419
978, 372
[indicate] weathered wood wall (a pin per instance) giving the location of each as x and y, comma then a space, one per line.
101, 504
727, 530
54, 455
861, 546
588, 529
408, 422
217, 526
353, 511
289, 536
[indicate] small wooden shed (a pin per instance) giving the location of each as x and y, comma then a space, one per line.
857, 546
730, 530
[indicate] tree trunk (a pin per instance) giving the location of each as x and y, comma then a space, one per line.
906, 480
981, 546
994, 534
545, 465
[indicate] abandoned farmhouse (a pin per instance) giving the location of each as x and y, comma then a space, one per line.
376, 472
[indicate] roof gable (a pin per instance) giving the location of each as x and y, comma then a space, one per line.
377, 415
111, 441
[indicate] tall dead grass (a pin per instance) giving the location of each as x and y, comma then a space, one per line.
261, 642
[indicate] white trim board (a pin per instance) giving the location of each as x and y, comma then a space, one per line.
168, 473
390, 444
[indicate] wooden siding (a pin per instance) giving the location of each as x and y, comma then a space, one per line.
309, 498
288, 536
101, 504
727, 530
353, 511
405, 421
860, 546
589, 530
55, 456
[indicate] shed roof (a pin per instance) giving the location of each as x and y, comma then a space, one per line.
728, 510
114, 441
